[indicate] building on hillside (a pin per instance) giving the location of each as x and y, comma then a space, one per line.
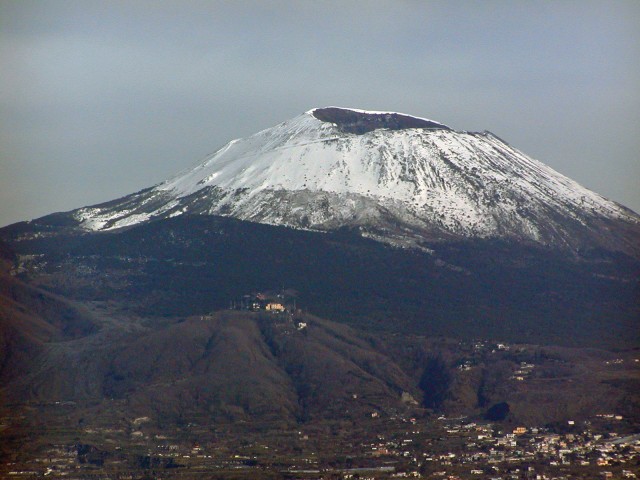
274, 307
265, 301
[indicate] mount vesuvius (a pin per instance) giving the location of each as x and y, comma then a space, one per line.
396, 178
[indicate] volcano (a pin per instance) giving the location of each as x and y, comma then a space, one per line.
399, 179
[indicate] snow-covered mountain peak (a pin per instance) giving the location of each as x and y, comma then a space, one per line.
399, 178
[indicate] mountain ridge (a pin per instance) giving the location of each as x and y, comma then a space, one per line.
400, 179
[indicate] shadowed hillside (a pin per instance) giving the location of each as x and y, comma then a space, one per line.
490, 289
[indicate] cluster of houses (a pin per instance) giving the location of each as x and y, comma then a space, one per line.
488, 451
451, 448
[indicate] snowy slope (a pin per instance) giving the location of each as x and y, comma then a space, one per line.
400, 179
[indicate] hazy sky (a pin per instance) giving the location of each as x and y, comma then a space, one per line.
101, 99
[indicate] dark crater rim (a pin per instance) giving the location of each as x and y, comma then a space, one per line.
361, 122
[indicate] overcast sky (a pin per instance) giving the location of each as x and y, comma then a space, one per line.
101, 99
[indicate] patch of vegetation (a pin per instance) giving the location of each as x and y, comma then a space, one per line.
497, 412
435, 383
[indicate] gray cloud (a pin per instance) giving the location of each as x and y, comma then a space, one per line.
99, 99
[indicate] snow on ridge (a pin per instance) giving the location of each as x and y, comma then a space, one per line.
307, 154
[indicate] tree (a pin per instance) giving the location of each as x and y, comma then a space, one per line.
497, 412
435, 382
